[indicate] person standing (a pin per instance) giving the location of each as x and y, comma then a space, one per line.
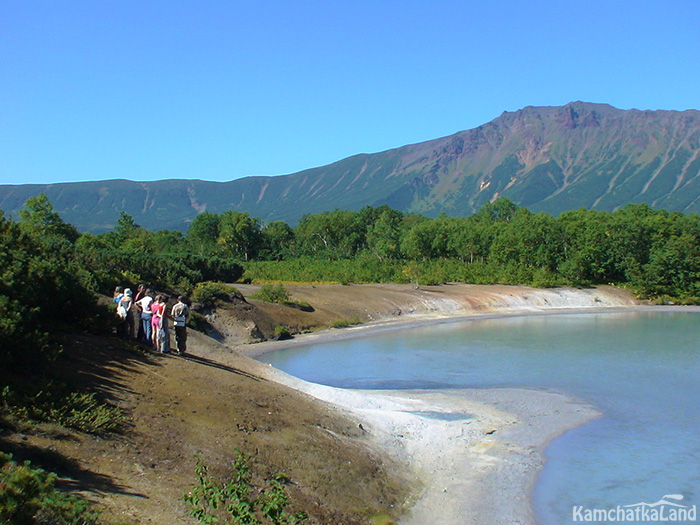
146, 314
158, 310
140, 291
180, 313
126, 327
163, 334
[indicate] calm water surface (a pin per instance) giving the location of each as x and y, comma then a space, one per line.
642, 370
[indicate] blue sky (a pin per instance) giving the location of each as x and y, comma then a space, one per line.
149, 90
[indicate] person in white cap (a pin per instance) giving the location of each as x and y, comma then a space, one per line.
126, 314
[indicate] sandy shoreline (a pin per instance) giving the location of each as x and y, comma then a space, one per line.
418, 320
475, 453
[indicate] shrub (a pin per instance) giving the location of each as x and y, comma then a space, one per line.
28, 496
210, 500
273, 293
210, 293
198, 322
80, 411
282, 332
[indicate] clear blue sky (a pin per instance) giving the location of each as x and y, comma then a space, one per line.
148, 90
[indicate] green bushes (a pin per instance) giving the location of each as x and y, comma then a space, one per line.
272, 293
282, 333
28, 496
80, 411
209, 293
311, 270
198, 322
211, 500
276, 293
41, 288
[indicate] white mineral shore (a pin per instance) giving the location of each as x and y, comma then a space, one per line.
475, 453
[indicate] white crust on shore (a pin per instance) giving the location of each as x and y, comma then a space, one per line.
475, 453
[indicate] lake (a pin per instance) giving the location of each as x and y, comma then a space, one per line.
640, 369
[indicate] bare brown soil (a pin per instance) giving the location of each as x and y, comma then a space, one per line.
181, 406
252, 321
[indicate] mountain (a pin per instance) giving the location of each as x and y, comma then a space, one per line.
545, 158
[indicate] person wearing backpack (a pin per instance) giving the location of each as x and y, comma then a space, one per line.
180, 313
126, 315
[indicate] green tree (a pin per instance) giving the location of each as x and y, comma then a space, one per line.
203, 233
336, 235
534, 240
126, 227
500, 210
428, 239
240, 234
673, 268
277, 240
470, 239
38, 217
384, 234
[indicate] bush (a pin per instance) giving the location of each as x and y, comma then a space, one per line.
272, 293
28, 496
198, 322
211, 500
209, 293
80, 411
282, 332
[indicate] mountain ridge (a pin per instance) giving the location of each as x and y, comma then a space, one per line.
547, 158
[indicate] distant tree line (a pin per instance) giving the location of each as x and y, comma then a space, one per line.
655, 252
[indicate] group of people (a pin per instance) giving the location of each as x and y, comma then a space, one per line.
152, 318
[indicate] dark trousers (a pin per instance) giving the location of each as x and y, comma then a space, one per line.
139, 334
181, 339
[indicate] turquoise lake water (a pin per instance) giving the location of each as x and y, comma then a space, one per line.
641, 370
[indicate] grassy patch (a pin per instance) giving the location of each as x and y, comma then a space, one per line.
344, 323
277, 293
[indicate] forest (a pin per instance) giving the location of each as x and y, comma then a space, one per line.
653, 252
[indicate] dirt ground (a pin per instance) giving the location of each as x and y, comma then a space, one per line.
239, 323
179, 407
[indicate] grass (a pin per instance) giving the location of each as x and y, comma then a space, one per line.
277, 293
344, 323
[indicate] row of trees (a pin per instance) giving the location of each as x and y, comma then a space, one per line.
655, 251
